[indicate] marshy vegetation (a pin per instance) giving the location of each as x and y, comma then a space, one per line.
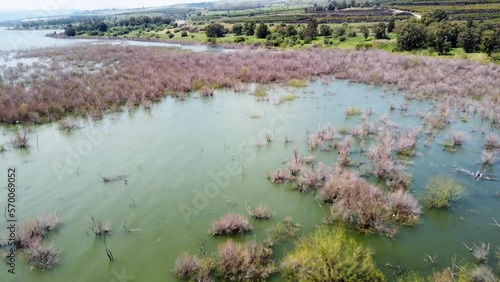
330, 255
53, 90
28, 239
358, 168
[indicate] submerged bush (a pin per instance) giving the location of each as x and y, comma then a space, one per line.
492, 142
330, 255
455, 138
247, 261
297, 82
43, 257
441, 191
285, 230
261, 212
187, 266
20, 140
231, 224
403, 207
68, 124
190, 268
351, 111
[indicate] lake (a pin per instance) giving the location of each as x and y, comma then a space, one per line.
188, 162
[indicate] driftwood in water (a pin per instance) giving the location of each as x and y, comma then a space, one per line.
478, 175
107, 179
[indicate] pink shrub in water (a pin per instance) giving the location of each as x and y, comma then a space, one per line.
456, 138
407, 142
151, 73
344, 149
231, 224
42, 257
403, 207
489, 157
492, 141
380, 154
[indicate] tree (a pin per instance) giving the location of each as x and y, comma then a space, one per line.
437, 37
249, 27
379, 31
469, 39
69, 31
488, 42
311, 31
365, 31
290, 30
411, 36
215, 30
262, 30
237, 29
325, 30
391, 25
434, 16
341, 31
102, 26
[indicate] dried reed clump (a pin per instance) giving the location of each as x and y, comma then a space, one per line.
231, 224
43, 257
29, 237
20, 140
33, 231
68, 124
249, 261
261, 212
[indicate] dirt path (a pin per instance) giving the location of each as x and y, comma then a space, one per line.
418, 16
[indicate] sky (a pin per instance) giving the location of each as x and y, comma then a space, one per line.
51, 5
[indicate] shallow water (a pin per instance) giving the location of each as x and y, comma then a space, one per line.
14, 40
189, 162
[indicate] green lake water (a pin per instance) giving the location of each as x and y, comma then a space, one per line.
190, 162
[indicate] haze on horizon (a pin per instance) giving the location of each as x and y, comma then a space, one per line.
54, 5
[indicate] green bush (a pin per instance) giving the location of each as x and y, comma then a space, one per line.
441, 191
170, 35
239, 39
184, 33
330, 255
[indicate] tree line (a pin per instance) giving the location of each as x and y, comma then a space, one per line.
435, 31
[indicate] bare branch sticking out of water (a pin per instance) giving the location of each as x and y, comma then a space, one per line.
496, 222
